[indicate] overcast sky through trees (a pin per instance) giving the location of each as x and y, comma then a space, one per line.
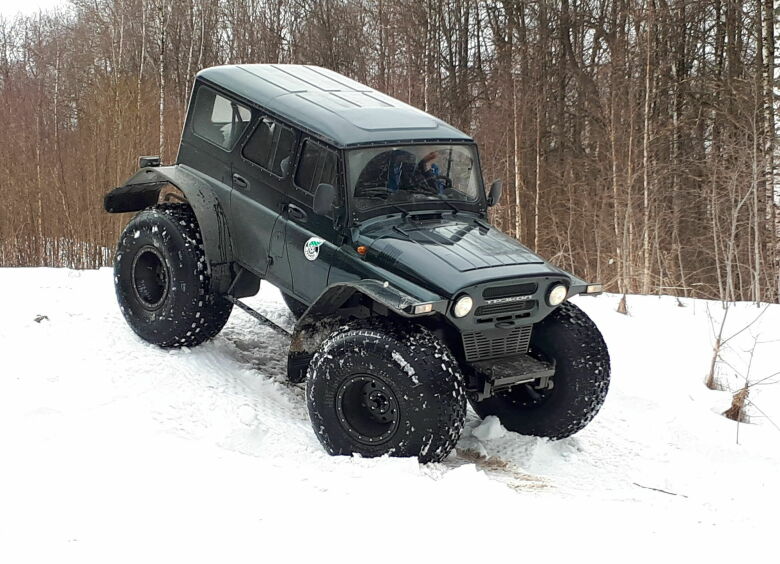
9, 8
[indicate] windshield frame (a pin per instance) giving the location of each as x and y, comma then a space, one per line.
479, 205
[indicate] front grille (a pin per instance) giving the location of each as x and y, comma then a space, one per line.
514, 290
506, 307
479, 346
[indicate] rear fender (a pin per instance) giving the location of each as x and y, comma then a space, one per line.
143, 190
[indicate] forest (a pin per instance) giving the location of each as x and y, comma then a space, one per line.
636, 139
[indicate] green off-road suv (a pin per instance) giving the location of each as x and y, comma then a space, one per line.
371, 217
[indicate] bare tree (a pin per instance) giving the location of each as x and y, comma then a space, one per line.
638, 135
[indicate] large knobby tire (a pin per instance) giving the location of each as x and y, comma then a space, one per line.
582, 371
162, 281
296, 307
384, 389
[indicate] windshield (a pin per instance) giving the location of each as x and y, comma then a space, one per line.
394, 176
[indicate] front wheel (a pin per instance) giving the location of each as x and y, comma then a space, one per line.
383, 389
582, 371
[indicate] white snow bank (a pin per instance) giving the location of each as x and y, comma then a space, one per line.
117, 451
489, 429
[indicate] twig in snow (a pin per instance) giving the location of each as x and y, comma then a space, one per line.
764, 414
746, 327
662, 491
763, 380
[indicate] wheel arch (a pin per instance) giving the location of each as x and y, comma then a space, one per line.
143, 190
344, 301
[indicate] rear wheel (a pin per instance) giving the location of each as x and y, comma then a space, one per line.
162, 280
582, 371
382, 390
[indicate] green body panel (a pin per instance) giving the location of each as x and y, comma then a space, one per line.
436, 259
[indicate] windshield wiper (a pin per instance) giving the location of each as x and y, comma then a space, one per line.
451, 206
404, 212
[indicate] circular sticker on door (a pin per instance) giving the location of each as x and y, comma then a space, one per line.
311, 249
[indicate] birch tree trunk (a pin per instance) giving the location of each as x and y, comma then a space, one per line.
161, 68
770, 193
646, 158
516, 158
538, 182
141, 62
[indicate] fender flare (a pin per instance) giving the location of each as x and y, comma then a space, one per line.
396, 301
143, 190
322, 317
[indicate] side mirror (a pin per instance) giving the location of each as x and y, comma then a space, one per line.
495, 193
324, 199
144, 162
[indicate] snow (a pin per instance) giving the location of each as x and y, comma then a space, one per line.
405, 366
114, 450
487, 430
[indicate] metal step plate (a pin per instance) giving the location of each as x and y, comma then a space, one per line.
504, 373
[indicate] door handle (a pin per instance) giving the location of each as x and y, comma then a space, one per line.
240, 181
296, 213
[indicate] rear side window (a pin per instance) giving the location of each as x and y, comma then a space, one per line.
271, 146
318, 165
218, 119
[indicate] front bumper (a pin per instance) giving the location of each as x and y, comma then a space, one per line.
502, 318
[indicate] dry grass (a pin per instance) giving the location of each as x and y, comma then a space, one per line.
737, 410
481, 461
623, 306
518, 480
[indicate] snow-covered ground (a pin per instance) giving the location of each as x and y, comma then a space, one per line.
113, 450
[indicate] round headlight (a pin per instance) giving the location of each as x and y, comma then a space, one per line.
557, 294
463, 306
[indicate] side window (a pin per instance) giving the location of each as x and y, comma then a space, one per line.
218, 119
271, 146
318, 165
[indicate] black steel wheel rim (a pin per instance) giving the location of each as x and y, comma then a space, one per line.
150, 277
367, 409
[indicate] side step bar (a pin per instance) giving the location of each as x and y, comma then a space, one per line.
259, 316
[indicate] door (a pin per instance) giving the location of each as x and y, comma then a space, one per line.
312, 242
215, 126
259, 179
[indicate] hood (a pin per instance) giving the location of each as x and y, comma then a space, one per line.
446, 254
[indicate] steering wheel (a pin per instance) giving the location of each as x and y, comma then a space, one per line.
447, 181
425, 180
